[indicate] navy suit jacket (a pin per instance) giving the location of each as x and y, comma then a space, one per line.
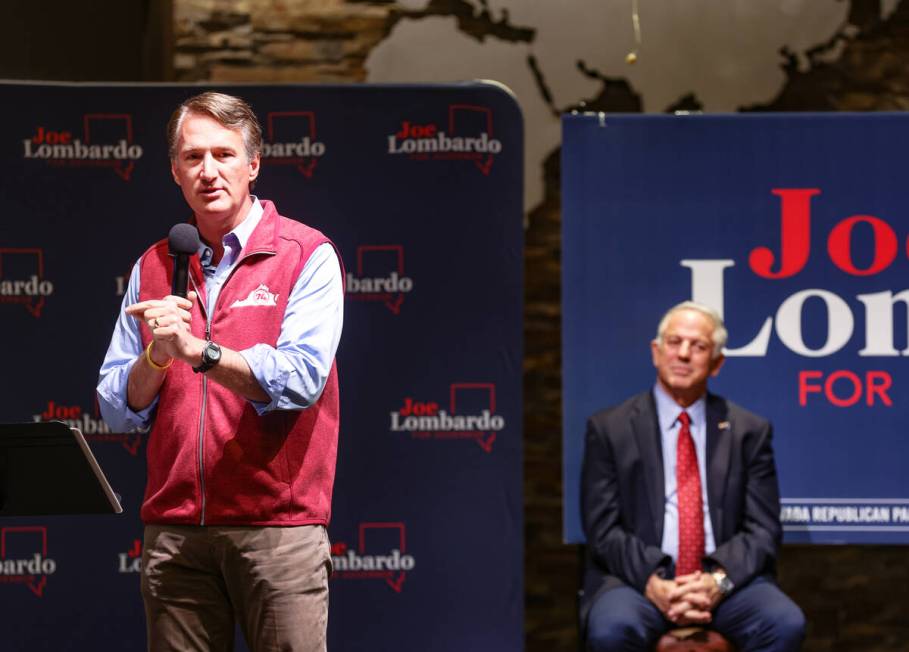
623, 495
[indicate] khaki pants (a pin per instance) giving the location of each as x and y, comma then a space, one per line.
197, 581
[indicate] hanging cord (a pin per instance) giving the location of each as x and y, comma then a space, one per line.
632, 56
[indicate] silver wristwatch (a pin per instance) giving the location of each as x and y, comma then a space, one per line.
723, 583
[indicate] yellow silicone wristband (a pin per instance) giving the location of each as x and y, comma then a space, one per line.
151, 363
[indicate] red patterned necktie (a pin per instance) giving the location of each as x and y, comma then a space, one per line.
691, 512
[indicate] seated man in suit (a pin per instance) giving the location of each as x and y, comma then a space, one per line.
680, 506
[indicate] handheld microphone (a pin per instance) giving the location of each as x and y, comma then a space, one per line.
182, 242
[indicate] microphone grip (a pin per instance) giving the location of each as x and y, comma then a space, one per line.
181, 275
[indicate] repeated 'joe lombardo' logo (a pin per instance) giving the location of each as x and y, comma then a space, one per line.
22, 278
466, 136
381, 554
471, 414
106, 141
23, 557
379, 277
290, 139
91, 426
130, 561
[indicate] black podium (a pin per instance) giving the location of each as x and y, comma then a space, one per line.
47, 468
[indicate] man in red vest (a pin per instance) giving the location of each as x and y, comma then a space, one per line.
239, 386
681, 507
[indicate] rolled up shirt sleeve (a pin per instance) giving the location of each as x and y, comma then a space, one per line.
294, 372
125, 348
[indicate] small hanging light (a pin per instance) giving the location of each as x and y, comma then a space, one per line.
632, 56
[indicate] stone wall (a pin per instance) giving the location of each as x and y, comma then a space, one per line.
855, 597
275, 41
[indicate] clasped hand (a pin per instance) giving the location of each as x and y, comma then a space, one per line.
685, 600
169, 320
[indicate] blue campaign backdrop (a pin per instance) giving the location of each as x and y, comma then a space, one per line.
795, 228
421, 189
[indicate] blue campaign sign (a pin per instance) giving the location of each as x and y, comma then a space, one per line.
420, 187
794, 228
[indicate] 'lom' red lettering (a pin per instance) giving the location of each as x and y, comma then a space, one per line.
795, 235
839, 245
805, 388
410, 130
844, 388
849, 376
418, 408
878, 384
43, 135
62, 412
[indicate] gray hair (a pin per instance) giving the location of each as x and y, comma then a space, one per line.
719, 335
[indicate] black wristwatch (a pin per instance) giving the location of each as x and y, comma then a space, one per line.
211, 355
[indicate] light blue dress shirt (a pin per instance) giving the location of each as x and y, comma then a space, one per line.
293, 373
668, 412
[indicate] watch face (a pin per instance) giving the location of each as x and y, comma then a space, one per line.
724, 584
212, 352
